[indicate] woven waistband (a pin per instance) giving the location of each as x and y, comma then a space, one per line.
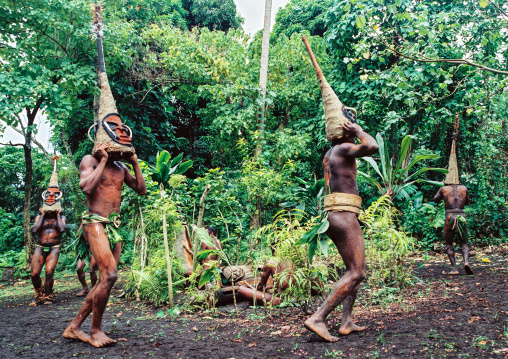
343, 202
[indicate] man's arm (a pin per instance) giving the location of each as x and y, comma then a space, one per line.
439, 196
61, 222
368, 145
90, 170
136, 183
38, 222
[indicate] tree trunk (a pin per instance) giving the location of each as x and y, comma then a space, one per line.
27, 233
263, 75
166, 250
199, 224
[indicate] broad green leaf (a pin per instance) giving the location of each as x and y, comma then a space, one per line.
176, 160
184, 167
309, 235
312, 248
324, 226
403, 154
205, 253
373, 163
206, 277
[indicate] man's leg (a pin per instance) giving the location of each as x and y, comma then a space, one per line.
117, 252
449, 232
35, 272
97, 299
347, 326
82, 279
51, 262
92, 269
465, 249
347, 235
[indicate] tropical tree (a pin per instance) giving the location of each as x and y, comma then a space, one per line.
395, 172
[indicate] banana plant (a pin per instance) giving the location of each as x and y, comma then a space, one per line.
161, 173
394, 174
310, 197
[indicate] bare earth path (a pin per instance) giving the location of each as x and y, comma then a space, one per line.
450, 317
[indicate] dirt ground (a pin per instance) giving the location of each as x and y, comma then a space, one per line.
445, 317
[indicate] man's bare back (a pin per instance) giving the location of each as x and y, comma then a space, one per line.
454, 196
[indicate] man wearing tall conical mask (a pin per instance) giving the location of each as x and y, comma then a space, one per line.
48, 227
455, 197
343, 204
102, 179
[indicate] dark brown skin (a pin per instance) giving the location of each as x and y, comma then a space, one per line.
344, 231
49, 228
455, 197
101, 179
271, 268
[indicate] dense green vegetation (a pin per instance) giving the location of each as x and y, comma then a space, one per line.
185, 78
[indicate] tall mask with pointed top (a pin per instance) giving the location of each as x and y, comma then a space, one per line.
109, 129
336, 114
52, 196
452, 177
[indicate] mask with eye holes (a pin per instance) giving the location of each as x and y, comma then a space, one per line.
117, 130
51, 196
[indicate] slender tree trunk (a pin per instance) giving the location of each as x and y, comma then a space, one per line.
263, 76
27, 233
199, 224
166, 250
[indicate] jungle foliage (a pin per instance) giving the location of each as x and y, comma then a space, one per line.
185, 78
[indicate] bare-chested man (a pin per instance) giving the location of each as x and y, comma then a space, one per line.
455, 198
49, 227
101, 179
344, 230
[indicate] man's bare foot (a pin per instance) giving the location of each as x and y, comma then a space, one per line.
99, 339
453, 272
320, 329
349, 327
468, 269
76, 333
82, 292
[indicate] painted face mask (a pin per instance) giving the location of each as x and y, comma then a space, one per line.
51, 196
118, 131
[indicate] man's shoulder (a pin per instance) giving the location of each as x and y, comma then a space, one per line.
88, 160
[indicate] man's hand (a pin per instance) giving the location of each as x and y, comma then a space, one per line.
352, 128
60, 213
100, 151
133, 159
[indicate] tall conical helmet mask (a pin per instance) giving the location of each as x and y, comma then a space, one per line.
52, 196
452, 177
109, 129
336, 114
